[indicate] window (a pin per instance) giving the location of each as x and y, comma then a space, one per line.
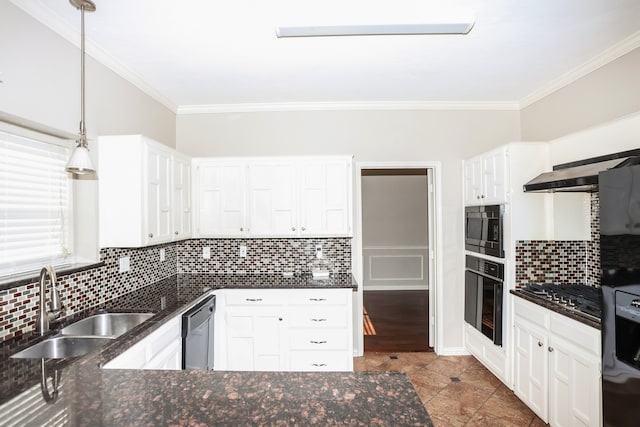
34, 202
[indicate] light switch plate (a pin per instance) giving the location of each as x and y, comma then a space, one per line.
162, 255
243, 251
206, 252
318, 251
125, 264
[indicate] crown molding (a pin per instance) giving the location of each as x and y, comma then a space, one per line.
344, 106
72, 35
616, 51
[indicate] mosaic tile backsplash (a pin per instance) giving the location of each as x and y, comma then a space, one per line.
87, 289
561, 262
263, 255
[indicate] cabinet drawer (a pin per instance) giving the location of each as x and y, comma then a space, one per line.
319, 297
318, 318
575, 332
319, 340
254, 298
531, 312
133, 358
320, 361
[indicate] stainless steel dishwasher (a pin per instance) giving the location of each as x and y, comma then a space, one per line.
197, 335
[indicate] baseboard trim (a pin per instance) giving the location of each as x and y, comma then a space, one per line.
453, 351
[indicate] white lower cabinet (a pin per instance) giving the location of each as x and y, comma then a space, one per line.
162, 349
557, 366
286, 330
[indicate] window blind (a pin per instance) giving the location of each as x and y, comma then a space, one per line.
34, 204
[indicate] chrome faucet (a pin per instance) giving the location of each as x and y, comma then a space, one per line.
55, 306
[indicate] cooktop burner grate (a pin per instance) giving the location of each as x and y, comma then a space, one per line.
582, 298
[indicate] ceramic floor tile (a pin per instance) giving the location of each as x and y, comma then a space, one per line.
456, 390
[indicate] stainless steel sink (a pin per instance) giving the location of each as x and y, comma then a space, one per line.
61, 347
107, 325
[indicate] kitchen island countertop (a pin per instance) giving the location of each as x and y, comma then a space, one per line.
90, 395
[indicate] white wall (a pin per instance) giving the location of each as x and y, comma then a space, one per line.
41, 82
40, 73
372, 136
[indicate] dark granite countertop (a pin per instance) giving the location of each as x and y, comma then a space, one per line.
89, 395
565, 311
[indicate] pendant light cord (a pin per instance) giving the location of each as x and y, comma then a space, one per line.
83, 132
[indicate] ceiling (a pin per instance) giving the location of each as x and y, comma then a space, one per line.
212, 55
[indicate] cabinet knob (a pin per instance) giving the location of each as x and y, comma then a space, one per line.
176, 233
478, 197
539, 343
293, 229
550, 349
304, 228
280, 319
151, 235
482, 197
241, 228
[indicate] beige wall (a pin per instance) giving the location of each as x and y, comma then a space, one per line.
445, 136
394, 232
606, 94
41, 74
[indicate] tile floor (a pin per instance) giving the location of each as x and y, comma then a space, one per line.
477, 399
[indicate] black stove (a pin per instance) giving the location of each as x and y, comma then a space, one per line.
582, 298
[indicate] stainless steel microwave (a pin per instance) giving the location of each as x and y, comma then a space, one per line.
483, 230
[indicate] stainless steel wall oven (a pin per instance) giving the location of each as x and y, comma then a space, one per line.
483, 297
484, 230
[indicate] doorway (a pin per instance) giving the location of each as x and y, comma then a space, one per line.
397, 257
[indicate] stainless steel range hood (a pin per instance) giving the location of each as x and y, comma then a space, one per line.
581, 176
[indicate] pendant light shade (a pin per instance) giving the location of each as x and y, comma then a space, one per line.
80, 162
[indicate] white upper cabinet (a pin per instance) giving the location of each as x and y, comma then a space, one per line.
181, 196
325, 197
139, 192
158, 181
274, 197
485, 178
220, 197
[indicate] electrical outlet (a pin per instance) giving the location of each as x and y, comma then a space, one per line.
206, 252
243, 251
162, 255
125, 264
318, 251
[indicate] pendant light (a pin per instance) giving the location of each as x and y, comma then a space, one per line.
80, 162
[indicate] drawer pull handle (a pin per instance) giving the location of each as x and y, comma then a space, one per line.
317, 299
253, 299
319, 364
635, 303
317, 342
318, 320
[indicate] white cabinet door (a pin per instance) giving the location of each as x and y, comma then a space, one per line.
272, 195
473, 181
158, 179
255, 339
574, 378
221, 198
162, 349
181, 197
531, 368
485, 178
325, 197
494, 167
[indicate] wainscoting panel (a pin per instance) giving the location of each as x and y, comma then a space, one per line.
395, 267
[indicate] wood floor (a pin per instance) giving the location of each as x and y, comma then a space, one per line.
400, 319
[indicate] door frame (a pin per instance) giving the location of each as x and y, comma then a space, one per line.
434, 214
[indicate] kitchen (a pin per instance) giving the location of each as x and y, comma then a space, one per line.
604, 92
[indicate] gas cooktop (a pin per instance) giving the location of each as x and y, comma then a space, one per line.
581, 298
